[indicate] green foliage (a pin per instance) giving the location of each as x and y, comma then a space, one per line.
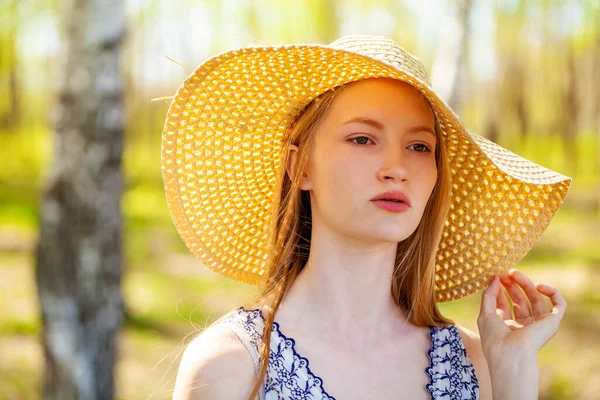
19, 215
25, 155
10, 327
561, 388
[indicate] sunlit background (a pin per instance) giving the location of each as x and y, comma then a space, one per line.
525, 74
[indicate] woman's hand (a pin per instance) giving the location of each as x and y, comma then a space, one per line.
532, 325
510, 344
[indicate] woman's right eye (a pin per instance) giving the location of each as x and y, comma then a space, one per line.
362, 139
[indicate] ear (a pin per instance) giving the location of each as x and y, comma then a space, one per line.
305, 183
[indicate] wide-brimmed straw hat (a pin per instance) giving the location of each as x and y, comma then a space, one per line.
221, 153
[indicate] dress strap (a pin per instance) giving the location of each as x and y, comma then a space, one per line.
248, 326
452, 375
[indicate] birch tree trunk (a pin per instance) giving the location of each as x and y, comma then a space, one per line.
449, 73
78, 254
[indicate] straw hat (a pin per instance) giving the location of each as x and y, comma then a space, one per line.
222, 143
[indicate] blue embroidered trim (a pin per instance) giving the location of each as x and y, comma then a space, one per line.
451, 375
250, 325
299, 362
291, 343
451, 369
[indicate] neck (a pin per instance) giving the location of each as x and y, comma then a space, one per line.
345, 287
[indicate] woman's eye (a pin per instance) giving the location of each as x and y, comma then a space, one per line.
363, 139
421, 146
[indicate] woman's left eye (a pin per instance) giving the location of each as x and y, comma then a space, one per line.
360, 138
422, 146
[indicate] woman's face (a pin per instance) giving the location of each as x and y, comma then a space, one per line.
377, 137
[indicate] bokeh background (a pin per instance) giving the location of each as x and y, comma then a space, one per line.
525, 74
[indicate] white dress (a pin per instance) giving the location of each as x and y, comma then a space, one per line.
451, 374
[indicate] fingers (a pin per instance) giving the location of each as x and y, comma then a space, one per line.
488, 297
547, 326
519, 299
488, 320
538, 302
494, 317
503, 306
559, 305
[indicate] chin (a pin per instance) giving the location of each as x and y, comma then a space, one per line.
391, 235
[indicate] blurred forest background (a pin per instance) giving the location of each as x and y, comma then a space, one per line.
525, 74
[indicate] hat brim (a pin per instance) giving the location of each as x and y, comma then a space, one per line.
221, 148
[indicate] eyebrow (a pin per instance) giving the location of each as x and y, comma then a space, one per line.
378, 125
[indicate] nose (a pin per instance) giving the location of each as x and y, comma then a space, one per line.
394, 166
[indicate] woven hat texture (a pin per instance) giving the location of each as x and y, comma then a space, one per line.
222, 143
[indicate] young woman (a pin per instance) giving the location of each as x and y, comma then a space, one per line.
339, 182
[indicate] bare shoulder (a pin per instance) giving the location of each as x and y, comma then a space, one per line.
472, 344
215, 365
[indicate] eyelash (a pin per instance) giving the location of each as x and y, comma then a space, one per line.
422, 144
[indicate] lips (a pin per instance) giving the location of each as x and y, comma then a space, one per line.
394, 206
395, 196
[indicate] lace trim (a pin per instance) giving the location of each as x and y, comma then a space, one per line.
248, 321
303, 361
299, 364
451, 374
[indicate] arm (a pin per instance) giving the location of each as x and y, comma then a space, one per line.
516, 378
215, 365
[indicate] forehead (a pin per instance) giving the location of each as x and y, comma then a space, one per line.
383, 98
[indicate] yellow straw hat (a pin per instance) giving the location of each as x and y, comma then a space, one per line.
222, 144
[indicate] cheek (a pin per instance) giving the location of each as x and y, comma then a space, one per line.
429, 178
350, 176
339, 178
430, 174
424, 176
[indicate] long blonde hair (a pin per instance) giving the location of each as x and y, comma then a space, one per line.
413, 282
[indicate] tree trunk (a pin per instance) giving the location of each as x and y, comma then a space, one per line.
520, 101
78, 255
449, 74
570, 114
491, 128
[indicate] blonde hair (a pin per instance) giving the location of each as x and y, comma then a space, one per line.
413, 282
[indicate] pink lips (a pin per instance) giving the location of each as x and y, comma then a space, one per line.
391, 206
395, 201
